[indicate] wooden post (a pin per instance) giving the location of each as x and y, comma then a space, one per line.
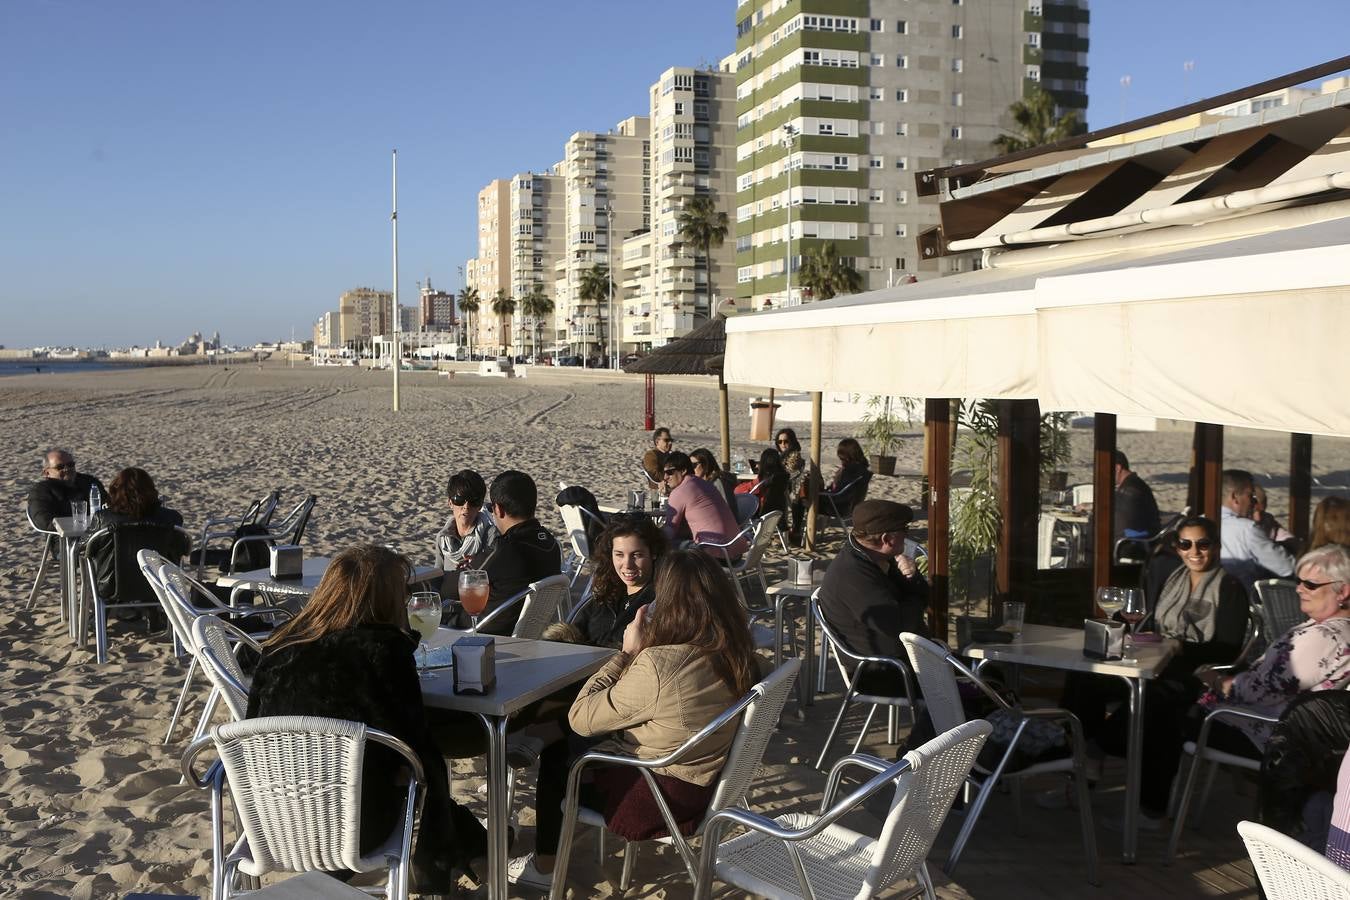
772, 416
649, 395
937, 418
1103, 500
817, 399
1300, 486
1019, 482
724, 408
1211, 497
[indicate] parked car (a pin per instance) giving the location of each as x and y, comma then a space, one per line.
569, 360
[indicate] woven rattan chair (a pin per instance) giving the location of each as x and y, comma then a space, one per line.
936, 669
1280, 610
218, 643
758, 712
538, 603
1289, 870
842, 653
808, 856
295, 782
580, 553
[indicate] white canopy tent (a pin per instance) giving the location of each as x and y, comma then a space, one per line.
1172, 324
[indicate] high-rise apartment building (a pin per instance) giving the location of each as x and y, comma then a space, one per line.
606, 189
538, 235
667, 285
490, 271
364, 313
839, 102
436, 309
326, 330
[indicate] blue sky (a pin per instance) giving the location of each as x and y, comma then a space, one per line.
174, 165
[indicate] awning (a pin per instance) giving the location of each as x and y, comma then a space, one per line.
1249, 331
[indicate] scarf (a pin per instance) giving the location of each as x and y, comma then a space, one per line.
1186, 616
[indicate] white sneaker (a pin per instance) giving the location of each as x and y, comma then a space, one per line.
521, 872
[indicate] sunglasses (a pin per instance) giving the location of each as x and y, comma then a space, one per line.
63, 467
670, 471
1314, 585
463, 500
1201, 544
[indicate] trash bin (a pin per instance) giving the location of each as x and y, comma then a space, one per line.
761, 419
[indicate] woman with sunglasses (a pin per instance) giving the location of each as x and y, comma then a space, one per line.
800, 468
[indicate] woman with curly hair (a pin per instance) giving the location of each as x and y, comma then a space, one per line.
625, 563
133, 497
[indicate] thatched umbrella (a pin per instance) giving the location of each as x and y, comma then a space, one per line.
699, 352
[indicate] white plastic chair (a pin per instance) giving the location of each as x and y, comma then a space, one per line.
575, 526
1201, 754
936, 669
758, 712
539, 603
1289, 870
808, 856
49, 539
851, 695
295, 782
1081, 494
218, 643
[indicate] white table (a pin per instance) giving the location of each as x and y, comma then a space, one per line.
1062, 648
526, 671
783, 593
312, 569
70, 570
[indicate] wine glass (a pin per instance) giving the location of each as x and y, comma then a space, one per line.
1135, 609
1111, 600
424, 615
473, 593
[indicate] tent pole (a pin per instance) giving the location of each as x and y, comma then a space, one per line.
1019, 481
772, 410
1300, 485
1103, 500
724, 408
811, 483
936, 423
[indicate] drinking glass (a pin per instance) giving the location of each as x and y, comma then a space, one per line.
79, 513
1111, 600
1014, 614
424, 615
473, 593
1135, 609
654, 500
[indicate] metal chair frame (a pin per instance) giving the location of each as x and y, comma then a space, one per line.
534, 614
844, 519
92, 603
48, 554
758, 533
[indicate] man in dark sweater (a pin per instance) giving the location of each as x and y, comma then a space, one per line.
1136, 511
523, 553
60, 486
872, 592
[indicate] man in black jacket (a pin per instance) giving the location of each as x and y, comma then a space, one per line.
1136, 510
872, 592
523, 553
60, 486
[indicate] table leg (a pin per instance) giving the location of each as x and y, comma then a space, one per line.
65, 590
807, 676
498, 814
778, 629
1133, 754
72, 584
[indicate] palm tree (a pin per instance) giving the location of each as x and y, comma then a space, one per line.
825, 275
468, 304
504, 307
702, 225
596, 287
536, 304
1037, 123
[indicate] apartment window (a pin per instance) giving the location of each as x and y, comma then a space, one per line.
700, 109
841, 162
1034, 7
902, 162
679, 107
958, 99
958, 65
1034, 73
877, 162
957, 132
901, 129
876, 93
878, 25
902, 230
902, 196
1033, 38
743, 243
684, 82
901, 61
876, 196
745, 274
958, 32
684, 154
901, 27
877, 59
899, 262
902, 95
875, 263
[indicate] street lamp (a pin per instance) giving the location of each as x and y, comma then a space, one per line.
609, 268
789, 133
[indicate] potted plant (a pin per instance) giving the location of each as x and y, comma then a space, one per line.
880, 431
1055, 450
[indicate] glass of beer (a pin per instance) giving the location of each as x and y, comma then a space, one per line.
473, 593
424, 615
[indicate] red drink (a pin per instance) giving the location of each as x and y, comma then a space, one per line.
474, 598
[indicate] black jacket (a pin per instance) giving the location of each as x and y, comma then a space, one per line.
869, 608
50, 498
521, 556
113, 542
1136, 510
604, 623
367, 674
1303, 757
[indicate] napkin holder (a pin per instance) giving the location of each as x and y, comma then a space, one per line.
475, 658
803, 570
287, 562
972, 629
1103, 639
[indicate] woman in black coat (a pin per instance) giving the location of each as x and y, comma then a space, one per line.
625, 561
349, 655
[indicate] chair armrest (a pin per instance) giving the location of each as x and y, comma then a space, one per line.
215, 773
675, 755
852, 760
1237, 712
506, 604
744, 533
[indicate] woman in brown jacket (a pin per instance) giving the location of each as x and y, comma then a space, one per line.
686, 657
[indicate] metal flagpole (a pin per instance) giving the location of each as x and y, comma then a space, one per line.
394, 218
609, 266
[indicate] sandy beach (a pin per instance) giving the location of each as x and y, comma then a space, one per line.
90, 798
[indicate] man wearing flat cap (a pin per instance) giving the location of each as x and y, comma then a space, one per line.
872, 592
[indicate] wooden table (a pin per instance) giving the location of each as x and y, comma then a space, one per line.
1062, 648
526, 671
70, 571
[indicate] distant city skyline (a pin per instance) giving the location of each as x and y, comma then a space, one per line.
178, 167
